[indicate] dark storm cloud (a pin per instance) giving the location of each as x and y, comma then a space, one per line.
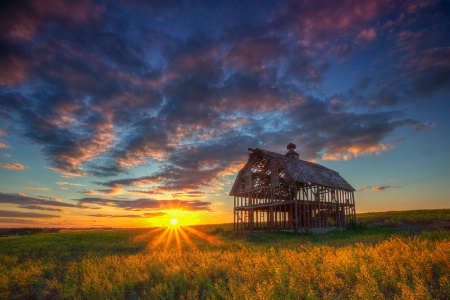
149, 204
105, 88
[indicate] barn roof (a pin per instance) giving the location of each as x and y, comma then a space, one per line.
306, 172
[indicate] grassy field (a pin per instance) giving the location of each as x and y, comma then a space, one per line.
391, 259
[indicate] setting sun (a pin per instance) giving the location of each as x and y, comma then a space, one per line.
174, 222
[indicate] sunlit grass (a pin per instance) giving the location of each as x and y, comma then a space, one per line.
177, 237
213, 262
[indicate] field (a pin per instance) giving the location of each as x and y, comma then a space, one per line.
396, 255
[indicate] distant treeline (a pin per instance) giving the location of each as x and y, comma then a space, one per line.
26, 231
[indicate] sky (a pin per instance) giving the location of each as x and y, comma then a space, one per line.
131, 113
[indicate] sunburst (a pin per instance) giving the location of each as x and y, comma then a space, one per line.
182, 237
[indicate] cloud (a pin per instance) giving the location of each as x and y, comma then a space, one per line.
145, 215
197, 87
187, 100
142, 192
383, 188
317, 25
368, 34
364, 189
342, 135
379, 188
14, 65
70, 174
154, 214
430, 71
69, 183
19, 214
147, 204
22, 21
189, 194
37, 188
355, 151
14, 166
116, 186
21, 199
253, 53
4, 145
34, 206
17, 221
415, 5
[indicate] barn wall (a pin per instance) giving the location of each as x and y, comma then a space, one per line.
293, 206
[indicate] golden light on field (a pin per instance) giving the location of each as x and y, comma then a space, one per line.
176, 237
174, 222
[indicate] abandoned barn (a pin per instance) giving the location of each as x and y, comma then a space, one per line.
275, 191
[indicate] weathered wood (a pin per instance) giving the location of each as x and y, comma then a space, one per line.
264, 198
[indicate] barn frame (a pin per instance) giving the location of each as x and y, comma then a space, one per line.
281, 192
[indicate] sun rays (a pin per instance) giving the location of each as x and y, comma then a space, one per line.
177, 237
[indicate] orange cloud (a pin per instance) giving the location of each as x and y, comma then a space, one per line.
357, 150
68, 174
4, 145
382, 188
37, 188
364, 189
14, 166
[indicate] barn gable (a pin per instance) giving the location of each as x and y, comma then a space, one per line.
269, 170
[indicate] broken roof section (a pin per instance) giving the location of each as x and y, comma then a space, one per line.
303, 171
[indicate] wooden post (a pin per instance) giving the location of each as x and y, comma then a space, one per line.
296, 207
234, 214
251, 219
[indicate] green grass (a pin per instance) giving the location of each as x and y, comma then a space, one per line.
213, 262
394, 218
